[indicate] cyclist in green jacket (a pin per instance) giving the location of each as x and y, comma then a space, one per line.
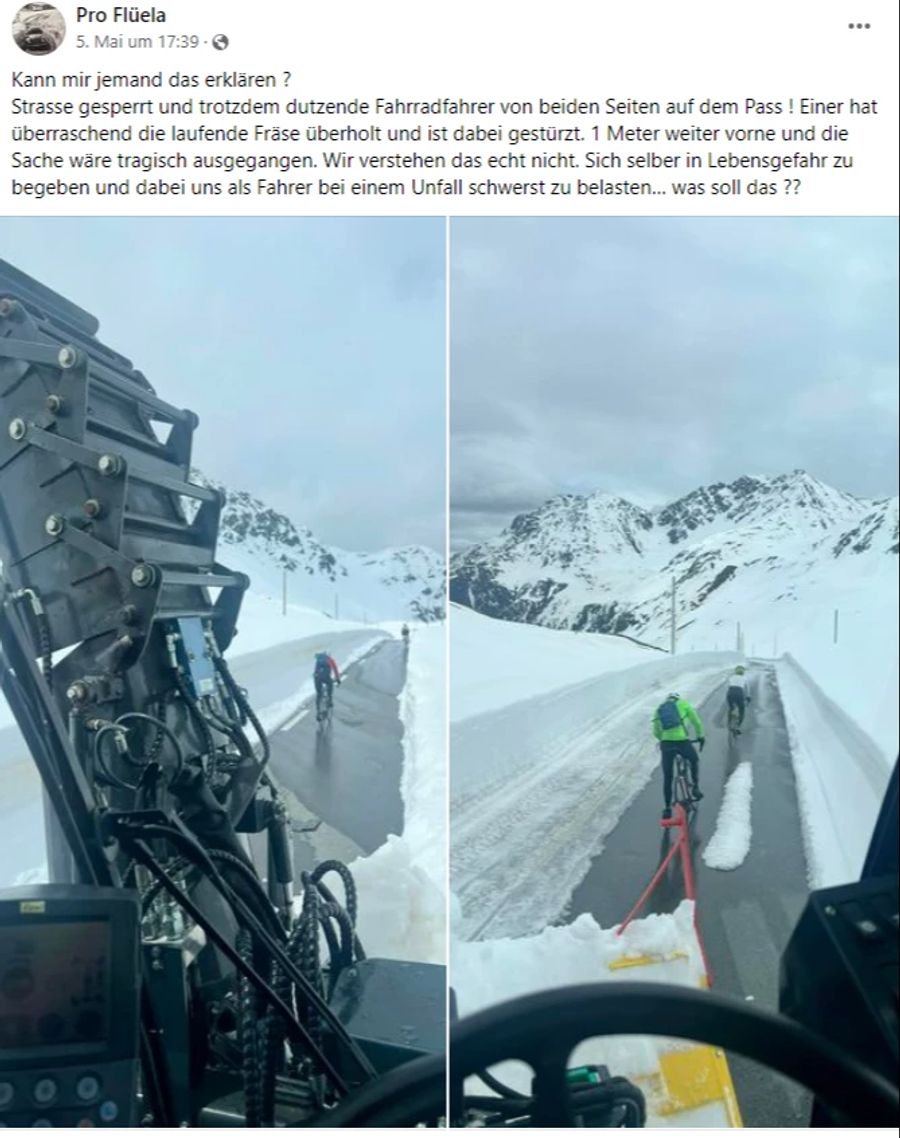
670, 728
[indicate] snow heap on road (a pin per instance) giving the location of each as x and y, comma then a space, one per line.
488, 972
402, 885
730, 844
841, 776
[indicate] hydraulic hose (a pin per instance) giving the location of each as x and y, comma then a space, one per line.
248, 1035
295, 1029
272, 945
243, 705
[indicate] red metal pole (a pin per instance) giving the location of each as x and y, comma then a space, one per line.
686, 868
681, 846
654, 881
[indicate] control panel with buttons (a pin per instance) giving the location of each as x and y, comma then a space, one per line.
68, 1097
839, 972
65, 1058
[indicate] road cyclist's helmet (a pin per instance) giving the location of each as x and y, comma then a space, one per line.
739, 670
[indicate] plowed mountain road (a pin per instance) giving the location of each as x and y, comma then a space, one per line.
746, 915
347, 774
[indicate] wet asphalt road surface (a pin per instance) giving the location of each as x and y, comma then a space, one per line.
746, 915
348, 774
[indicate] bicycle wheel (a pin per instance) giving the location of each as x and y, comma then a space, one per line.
682, 792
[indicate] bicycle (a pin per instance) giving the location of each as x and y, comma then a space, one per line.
734, 722
324, 708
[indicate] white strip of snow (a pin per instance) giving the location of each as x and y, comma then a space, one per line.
730, 844
841, 777
402, 885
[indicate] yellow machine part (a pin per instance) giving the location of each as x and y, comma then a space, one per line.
695, 1077
689, 1077
641, 961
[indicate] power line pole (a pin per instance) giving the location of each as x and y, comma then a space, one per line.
672, 629
738, 647
835, 626
284, 592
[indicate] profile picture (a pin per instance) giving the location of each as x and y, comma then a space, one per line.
38, 28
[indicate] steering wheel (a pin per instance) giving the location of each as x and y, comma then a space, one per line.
543, 1030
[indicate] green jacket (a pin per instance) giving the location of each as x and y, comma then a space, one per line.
678, 733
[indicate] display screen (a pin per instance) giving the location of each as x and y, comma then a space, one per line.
54, 984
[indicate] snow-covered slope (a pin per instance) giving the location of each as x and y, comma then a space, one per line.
495, 663
391, 584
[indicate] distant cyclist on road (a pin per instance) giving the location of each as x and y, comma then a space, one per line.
325, 676
737, 695
669, 728
404, 632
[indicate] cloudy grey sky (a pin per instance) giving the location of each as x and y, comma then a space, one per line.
312, 350
646, 357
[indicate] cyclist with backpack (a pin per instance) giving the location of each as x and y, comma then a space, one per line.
325, 676
669, 727
737, 695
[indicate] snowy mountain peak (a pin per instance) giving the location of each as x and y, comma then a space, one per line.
784, 500
571, 523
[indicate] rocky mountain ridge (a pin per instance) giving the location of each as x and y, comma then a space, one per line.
399, 583
599, 563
